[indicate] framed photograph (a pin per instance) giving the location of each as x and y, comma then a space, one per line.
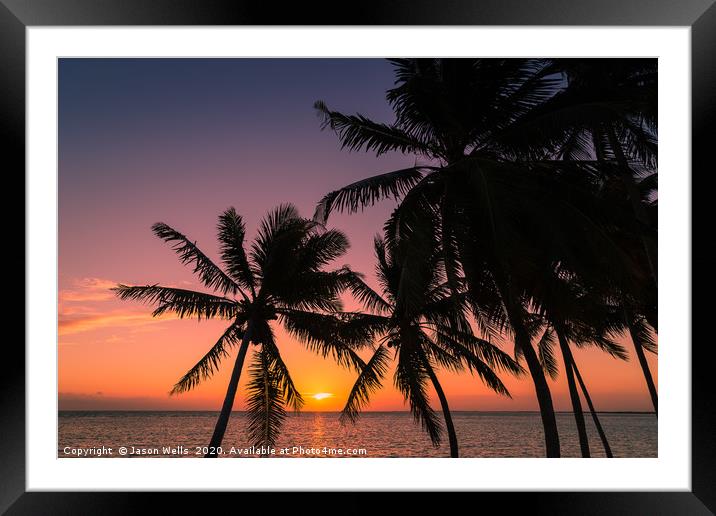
411, 249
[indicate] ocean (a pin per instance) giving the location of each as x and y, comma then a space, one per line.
320, 434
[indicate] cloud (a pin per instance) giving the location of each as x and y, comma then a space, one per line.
84, 307
89, 304
88, 289
77, 323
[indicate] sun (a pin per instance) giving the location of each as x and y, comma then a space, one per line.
322, 395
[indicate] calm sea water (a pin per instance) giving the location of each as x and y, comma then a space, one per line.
319, 434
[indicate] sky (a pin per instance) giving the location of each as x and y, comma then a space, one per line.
181, 140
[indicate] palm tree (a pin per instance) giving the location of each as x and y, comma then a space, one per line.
608, 111
592, 410
549, 362
280, 278
638, 298
426, 327
625, 277
572, 372
573, 313
574, 298
461, 117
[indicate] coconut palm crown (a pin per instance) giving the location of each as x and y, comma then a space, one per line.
426, 326
279, 278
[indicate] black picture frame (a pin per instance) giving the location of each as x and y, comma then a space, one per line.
17, 15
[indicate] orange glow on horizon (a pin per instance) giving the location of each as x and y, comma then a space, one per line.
126, 360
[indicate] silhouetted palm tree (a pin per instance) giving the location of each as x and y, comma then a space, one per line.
575, 314
426, 326
497, 199
581, 297
637, 296
280, 277
549, 362
628, 281
608, 111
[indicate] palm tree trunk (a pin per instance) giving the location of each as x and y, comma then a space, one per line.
574, 395
638, 347
524, 344
544, 397
635, 199
452, 437
595, 418
220, 428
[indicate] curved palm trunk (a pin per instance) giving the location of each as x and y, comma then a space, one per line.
544, 397
452, 437
647, 374
524, 343
574, 395
638, 347
595, 418
223, 420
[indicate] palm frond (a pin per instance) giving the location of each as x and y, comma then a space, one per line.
367, 192
639, 143
641, 331
608, 345
209, 363
357, 132
413, 225
369, 298
313, 290
368, 381
449, 244
411, 379
288, 390
232, 232
475, 363
185, 303
411, 241
321, 334
280, 234
209, 273
449, 311
359, 330
387, 272
545, 351
265, 404
442, 356
319, 248
483, 349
